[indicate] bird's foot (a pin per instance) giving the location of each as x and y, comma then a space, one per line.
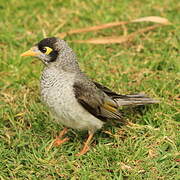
83, 151
58, 141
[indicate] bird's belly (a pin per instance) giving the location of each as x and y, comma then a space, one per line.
61, 100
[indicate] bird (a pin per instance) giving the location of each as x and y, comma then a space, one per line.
74, 99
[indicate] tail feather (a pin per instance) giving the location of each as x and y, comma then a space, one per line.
136, 99
127, 100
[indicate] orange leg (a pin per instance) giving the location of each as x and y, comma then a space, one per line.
86, 145
58, 141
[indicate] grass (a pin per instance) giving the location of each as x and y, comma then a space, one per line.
148, 149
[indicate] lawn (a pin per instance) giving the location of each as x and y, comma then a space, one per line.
147, 148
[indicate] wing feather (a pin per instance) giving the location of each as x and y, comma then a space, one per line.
95, 101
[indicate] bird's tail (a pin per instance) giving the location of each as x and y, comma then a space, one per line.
134, 100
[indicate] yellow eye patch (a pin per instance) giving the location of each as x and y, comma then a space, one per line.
47, 50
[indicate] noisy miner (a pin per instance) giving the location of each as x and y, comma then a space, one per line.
76, 101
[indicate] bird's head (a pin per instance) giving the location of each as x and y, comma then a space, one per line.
51, 50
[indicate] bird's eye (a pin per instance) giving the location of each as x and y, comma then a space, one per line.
46, 50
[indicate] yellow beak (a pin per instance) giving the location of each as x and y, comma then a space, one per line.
30, 52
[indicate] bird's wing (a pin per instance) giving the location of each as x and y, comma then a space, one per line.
106, 90
94, 100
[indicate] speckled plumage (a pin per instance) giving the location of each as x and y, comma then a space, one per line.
57, 92
75, 100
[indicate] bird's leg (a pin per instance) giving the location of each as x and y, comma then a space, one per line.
58, 141
86, 145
